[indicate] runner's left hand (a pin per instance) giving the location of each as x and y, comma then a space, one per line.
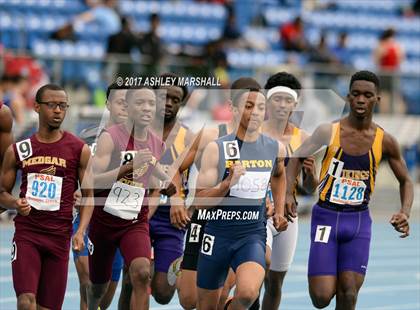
269, 208
309, 166
279, 222
179, 215
400, 223
78, 241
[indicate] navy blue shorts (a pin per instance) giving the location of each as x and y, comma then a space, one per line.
219, 252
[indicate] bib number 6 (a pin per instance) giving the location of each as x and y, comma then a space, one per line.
231, 149
207, 245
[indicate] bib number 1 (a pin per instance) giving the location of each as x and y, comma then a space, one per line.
322, 233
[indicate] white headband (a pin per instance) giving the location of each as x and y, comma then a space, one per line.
282, 89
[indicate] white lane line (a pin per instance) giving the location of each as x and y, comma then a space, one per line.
371, 289
413, 306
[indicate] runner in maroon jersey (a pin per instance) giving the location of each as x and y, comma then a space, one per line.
6, 138
124, 163
52, 162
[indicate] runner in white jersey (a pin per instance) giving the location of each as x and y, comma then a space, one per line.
282, 97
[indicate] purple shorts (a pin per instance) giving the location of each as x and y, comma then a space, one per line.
339, 241
167, 240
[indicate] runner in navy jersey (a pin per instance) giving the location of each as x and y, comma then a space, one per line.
52, 162
232, 183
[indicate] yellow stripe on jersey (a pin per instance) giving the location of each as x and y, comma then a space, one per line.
296, 139
377, 146
330, 178
372, 179
375, 156
179, 142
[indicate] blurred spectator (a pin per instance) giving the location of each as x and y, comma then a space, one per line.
388, 56
104, 14
322, 54
122, 43
293, 36
28, 67
66, 32
222, 112
151, 46
317, 5
12, 94
341, 51
234, 38
231, 31
412, 10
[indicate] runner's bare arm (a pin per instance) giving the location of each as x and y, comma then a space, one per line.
310, 179
102, 178
207, 187
193, 154
310, 146
8, 178
278, 188
178, 213
86, 181
278, 181
208, 191
6, 137
391, 151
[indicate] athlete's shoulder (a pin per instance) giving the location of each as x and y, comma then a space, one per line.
117, 128
267, 140
6, 119
390, 144
73, 139
229, 137
210, 134
325, 132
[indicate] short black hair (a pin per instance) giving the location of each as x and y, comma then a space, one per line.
154, 17
243, 85
132, 90
388, 33
43, 89
365, 75
111, 88
178, 83
283, 79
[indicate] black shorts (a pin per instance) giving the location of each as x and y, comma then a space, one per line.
193, 240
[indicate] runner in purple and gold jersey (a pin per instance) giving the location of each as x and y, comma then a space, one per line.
341, 223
